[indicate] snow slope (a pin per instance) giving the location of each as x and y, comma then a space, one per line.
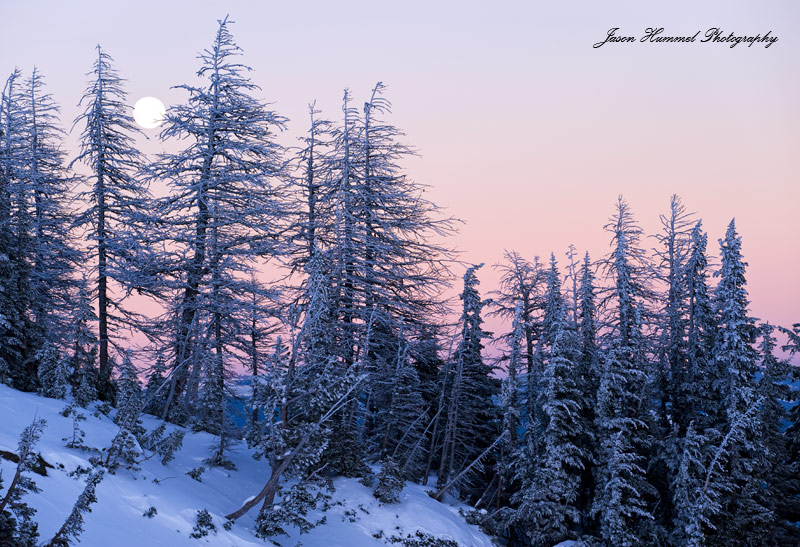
117, 519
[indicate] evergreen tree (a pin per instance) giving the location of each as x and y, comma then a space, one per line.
53, 372
703, 380
219, 221
589, 374
16, 517
387, 270
511, 406
675, 241
789, 507
129, 392
623, 492
116, 198
521, 282
778, 471
390, 482
73, 526
403, 419
470, 419
549, 498
84, 349
154, 393
16, 327
690, 501
42, 199
744, 507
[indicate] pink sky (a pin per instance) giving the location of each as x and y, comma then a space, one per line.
526, 132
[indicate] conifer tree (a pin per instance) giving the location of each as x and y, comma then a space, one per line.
470, 419
673, 374
129, 392
219, 221
84, 349
16, 327
116, 199
703, 380
73, 526
589, 374
53, 372
690, 500
521, 281
621, 499
777, 470
404, 419
16, 517
744, 507
549, 497
789, 507
44, 191
511, 406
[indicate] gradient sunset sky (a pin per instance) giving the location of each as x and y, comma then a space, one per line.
525, 131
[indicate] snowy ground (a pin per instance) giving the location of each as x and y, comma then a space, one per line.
118, 518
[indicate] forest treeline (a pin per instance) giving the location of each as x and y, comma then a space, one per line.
639, 403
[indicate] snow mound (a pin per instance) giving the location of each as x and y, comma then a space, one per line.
355, 518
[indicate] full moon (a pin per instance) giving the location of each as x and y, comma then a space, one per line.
148, 112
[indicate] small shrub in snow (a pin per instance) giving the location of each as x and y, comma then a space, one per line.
293, 509
79, 472
124, 450
197, 473
203, 524
171, 445
104, 409
77, 433
368, 480
166, 447
390, 482
421, 539
150, 513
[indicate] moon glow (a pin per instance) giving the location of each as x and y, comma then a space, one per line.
149, 112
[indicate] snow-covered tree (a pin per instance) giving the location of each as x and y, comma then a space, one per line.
521, 282
54, 371
390, 482
73, 526
84, 349
622, 492
44, 191
703, 379
16, 327
403, 419
690, 502
744, 507
589, 374
116, 199
778, 470
512, 408
16, 517
387, 269
220, 219
672, 256
129, 392
548, 500
470, 420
